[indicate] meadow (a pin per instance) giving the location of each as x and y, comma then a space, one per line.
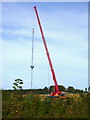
33, 105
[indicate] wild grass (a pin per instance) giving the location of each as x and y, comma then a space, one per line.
40, 106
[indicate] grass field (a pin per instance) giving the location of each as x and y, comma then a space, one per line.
39, 106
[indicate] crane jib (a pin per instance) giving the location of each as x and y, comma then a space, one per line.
48, 56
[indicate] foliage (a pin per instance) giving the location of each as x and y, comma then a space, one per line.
61, 88
32, 106
16, 100
18, 84
70, 89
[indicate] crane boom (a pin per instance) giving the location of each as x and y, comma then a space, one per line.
48, 55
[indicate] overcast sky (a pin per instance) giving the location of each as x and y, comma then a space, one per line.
65, 26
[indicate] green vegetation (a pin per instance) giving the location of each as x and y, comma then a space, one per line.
33, 106
15, 100
19, 103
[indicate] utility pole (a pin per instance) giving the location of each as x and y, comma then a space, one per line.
32, 66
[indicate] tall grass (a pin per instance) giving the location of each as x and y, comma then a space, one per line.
32, 106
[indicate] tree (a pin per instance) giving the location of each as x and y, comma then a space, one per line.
61, 88
70, 89
78, 91
45, 90
18, 84
16, 99
51, 88
85, 89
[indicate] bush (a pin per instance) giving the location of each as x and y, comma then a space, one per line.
32, 106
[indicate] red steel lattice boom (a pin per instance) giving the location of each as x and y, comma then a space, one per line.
48, 56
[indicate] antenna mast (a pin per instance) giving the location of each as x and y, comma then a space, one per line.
32, 66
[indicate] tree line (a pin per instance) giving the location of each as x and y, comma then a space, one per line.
18, 84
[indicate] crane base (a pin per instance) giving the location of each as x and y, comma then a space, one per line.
57, 95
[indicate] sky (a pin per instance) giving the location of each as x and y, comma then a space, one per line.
65, 27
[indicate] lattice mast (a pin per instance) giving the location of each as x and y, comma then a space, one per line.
32, 66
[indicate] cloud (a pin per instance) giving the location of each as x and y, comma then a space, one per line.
17, 32
66, 34
17, 61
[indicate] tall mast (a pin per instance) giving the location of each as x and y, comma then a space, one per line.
32, 66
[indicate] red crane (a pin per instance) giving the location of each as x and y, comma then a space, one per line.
57, 92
